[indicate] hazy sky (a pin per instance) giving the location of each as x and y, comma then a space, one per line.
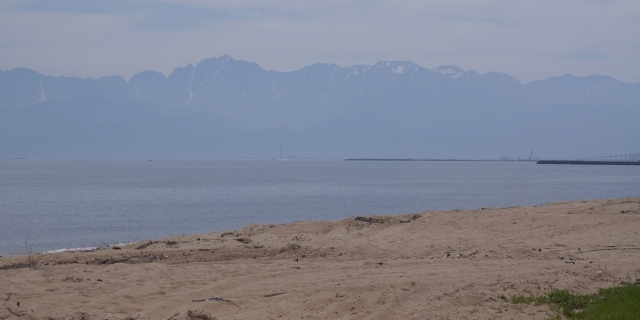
530, 40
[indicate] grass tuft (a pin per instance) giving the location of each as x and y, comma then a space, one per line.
619, 303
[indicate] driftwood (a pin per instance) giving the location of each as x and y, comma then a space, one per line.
143, 246
243, 240
273, 294
16, 314
411, 218
199, 315
16, 266
372, 219
216, 299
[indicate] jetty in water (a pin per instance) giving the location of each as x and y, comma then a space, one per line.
620, 160
591, 162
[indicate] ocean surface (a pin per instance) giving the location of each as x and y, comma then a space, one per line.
54, 204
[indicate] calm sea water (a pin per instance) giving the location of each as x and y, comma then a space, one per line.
79, 203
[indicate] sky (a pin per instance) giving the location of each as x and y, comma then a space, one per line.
528, 39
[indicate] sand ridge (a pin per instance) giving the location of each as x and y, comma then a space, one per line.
430, 265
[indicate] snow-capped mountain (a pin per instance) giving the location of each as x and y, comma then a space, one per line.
226, 107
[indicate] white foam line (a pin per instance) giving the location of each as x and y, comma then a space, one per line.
91, 248
71, 249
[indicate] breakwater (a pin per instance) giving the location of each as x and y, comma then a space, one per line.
615, 163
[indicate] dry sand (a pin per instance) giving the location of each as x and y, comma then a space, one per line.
432, 265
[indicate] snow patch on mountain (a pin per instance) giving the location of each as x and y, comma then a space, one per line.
398, 70
450, 71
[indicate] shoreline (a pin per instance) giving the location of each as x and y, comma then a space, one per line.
433, 264
109, 245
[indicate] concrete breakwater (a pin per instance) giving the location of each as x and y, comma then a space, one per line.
623, 163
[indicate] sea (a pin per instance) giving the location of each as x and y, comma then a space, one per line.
64, 204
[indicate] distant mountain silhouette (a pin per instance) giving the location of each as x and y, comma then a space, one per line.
230, 108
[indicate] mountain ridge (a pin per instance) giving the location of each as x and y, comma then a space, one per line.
324, 110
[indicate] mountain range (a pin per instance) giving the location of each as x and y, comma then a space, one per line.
227, 108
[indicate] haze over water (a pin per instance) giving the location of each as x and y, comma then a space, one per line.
80, 203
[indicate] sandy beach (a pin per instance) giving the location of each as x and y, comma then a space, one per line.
460, 264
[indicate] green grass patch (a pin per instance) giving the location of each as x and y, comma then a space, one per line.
618, 303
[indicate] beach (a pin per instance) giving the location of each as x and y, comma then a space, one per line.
459, 264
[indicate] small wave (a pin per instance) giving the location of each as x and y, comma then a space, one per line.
71, 249
101, 247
